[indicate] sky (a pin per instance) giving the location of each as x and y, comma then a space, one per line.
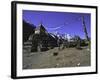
62, 22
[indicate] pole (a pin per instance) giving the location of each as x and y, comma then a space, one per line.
84, 28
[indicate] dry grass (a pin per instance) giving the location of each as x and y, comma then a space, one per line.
69, 57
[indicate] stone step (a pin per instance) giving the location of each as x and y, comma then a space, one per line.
26, 50
27, 46
27, 43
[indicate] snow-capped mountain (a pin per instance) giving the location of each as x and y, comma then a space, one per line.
63, 36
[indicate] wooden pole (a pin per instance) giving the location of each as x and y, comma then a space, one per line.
84, 28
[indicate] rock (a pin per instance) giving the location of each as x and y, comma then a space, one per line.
78, 64
55, 53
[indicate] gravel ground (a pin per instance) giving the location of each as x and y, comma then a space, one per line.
68, 57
